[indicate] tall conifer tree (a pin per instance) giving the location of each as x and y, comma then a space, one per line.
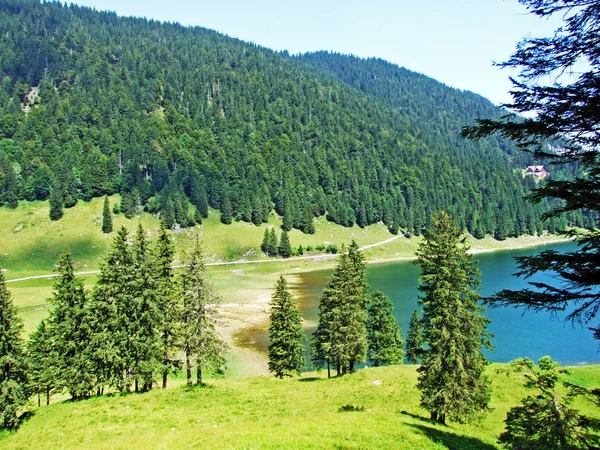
414, 339
68, 331
286, 352
169, 312
451, 377
145, 322
42, 363
200, 341
107, 224
285, 248
13, 380
56, 204
383, 334
111, 312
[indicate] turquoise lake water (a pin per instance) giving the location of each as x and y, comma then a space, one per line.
518, 333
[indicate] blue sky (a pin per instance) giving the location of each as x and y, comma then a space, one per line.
453, 41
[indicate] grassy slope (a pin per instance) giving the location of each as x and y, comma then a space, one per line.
266, 412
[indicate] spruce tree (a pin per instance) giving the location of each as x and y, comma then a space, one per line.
169, 312
273, 243
200, 342
145, 324
107, 225
13, 378
340, 340
264, 246
545, 421
56, 204
42, 363
414, 339
285, 249
286, 352
451, 377
111, 312
383, 335
67, 327
226, 210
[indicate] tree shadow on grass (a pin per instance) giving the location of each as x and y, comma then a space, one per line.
452, 441
309, 379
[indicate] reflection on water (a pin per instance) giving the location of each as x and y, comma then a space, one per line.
517, 333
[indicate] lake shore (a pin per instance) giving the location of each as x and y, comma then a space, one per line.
251, 313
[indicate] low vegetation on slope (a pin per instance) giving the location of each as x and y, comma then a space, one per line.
372, 408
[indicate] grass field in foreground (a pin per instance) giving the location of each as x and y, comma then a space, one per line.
268, 413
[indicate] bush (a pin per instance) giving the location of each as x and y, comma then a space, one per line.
332, 248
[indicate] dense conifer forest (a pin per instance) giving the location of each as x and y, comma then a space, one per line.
178, 119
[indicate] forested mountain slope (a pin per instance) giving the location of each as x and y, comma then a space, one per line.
92, 104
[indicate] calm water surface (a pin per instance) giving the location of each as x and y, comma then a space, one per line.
518, 333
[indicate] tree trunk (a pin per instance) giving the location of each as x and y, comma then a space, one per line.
351, 365
328, 370
199, 373
136, 385
39, 400
165, 360
188, 368
434, 416
47, 397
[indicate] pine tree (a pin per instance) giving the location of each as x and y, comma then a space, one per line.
560, 129
68, 330
111, 312
42, 363
285, 249
451, 377
273, 243
107, 225
383, 335
286, 352
545, 421
414, 339
145, 324
200, 342
13, 379
226, 210
169, 312
56, 204
340, 339
264, 246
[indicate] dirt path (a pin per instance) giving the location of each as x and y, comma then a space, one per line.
226, 263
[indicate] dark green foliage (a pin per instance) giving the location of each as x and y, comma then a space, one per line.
286, 352
124, 105
42, 363
56, 204
226, 211
145, 352
200, 342
563, 132
273, 244
264, 246
383, 335
544, 421
284, 249
300, 250
340, 339
167, 302
414, 339
13, 380
107, 225
111, 310
451, 377
67, 329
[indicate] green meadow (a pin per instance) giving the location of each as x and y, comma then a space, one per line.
372, 408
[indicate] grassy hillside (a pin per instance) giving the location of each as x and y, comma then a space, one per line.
264, 412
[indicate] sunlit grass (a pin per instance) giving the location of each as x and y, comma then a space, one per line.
265, 412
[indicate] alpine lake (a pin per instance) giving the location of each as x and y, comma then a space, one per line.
516, 332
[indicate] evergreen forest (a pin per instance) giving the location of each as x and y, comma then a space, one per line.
179, 119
